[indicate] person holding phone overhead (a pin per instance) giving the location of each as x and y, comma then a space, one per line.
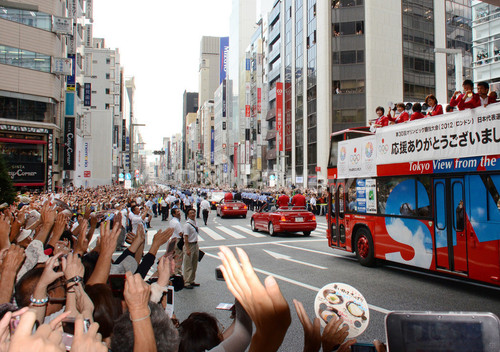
191, 250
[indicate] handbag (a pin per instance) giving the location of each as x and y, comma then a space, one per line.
201, 254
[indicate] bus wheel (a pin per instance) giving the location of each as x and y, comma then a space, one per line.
364, 247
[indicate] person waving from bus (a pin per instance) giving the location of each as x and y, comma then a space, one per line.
434, 107
466, 100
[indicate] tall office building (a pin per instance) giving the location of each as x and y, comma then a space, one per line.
342, 58
189, 105
486, 47
41, 45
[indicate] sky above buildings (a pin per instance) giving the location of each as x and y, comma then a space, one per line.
159, 44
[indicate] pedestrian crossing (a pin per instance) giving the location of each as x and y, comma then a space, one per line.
221, 233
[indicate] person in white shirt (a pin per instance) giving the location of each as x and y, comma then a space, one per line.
205, 208
191, 250
137, 217
175, 223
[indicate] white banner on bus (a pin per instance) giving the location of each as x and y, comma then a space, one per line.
357, 158
466, 133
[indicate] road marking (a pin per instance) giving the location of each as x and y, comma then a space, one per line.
301, 284
230, 232
247, 231
212, 233
315, 251
260, 243
150, 235
290, 259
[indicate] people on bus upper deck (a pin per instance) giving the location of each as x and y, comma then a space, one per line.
449, 108
401, 115
382, 120
434, 107
466, 100
417, 112
482, 90
493, 96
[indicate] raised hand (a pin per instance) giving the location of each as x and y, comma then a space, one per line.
265, 305
136, 295
4, 231
312, 331
89, 341
72, 266
13, 260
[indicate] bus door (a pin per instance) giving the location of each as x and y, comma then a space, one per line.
338, 213
449, 225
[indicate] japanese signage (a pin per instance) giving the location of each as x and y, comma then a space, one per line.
69, 143
61, 66
88, 35
62, 25
224, 106
89, 13
462, 134
224, 57
247, 110
212, 145
27, 172
279, 114
70, 80
235, 159
357, 158
87, 94
259, 100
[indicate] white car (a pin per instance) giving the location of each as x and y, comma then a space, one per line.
214, 198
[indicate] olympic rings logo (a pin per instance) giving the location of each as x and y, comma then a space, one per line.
383, 148
355, 158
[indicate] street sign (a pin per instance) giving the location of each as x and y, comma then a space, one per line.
128, 176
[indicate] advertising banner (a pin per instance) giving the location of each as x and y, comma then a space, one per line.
69, 143
224, 57
87, 94
462, 134
212, 146
357, 158
247, 110
62, 25
70, 104
70, 80
89, 34
279, 114
87, 160
224, 103
27, 172
247, 152
259, 100
235, 159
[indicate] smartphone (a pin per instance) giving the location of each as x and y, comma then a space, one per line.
363, 347
225, 306
169, 304
117, 283
68, 325
218, 274
171, 247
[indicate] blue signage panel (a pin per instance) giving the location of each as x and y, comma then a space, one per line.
212, 146
70, 104
87, 94
224, 57
70, 80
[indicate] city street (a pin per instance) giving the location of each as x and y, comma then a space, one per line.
302, 265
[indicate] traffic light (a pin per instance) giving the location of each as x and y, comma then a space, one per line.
159, 152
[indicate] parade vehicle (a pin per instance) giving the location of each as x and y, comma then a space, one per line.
423, 193
283, 219
214, 198
231, 208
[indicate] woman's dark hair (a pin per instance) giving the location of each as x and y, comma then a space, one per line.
89, 262
381, 109
417, 107
26, 286
430, 96
107, 308
199, 332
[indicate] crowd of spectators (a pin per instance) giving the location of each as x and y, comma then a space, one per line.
51, 278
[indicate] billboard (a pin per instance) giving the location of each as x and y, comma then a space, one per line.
69, 143
62, 25
87, 94
279, 114
70, 80
61, 66
224, 58
212, 145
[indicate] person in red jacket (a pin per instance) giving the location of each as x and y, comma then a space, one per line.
466, 100
417, 112
382, 120
283, 200
482, 90
434, 107
298, 200
228, 196
403, 115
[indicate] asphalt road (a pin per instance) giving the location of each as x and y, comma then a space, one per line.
302, 265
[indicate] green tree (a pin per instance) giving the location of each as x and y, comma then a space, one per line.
7, 191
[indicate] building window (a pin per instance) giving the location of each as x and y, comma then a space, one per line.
107, 90
27, 110
29, 18
106, 106
108, 60
24, 58
108, 76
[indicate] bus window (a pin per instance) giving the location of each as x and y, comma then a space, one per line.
424, 196
352, 198
341, 201
402, 196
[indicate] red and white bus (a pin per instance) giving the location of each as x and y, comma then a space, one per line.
423, 193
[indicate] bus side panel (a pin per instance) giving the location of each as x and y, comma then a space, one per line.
483, 227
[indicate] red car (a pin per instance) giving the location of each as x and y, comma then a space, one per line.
231, 208
286, 219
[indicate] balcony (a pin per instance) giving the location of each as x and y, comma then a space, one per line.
275, 13
275, 54
274, 33
271, 134
272, 94
274, 73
